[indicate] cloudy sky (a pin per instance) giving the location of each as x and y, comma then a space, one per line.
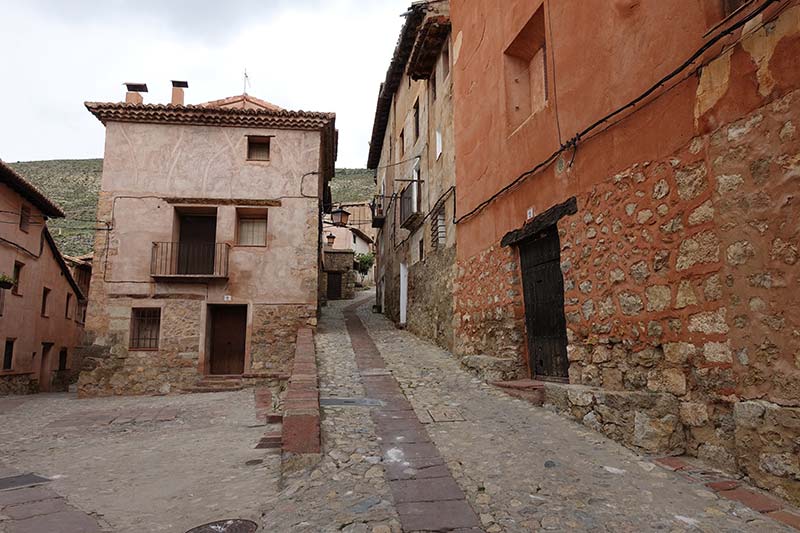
319, 55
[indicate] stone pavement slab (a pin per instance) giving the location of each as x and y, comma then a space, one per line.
437, 516
61, 522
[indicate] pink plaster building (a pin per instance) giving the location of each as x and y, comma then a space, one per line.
211, 259
41, 312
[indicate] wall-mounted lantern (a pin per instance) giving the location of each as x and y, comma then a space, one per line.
340, 217
330, 238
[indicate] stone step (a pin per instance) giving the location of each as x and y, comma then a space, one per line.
519, 384
201, 389
525, 389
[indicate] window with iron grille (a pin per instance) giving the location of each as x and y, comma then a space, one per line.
438, 229
258, 148
25, 218
145, 326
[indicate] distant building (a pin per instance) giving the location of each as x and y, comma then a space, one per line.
211, 263
413, 154
41, 312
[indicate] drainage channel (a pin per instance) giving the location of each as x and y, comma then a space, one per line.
351, 402
231, 525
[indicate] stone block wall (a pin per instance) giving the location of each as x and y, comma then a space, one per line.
430, 305
17, 384
339, 261
110, 368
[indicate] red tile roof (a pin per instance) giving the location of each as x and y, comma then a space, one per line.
29, 191
242, 101
211, 114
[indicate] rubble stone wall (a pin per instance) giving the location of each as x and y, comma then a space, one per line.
17, 384
430, 305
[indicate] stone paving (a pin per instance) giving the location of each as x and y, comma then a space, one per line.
520, 467
133, 464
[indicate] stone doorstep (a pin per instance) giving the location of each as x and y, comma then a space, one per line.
519, 384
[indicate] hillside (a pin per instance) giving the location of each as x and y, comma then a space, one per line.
352, 185
74, 184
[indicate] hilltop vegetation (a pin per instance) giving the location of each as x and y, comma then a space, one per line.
74, 184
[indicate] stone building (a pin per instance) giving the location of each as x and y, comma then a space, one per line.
628, 227
211, 259
412, 153
352, 237
41, 320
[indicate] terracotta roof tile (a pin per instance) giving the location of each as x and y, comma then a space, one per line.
29, 191
209, 115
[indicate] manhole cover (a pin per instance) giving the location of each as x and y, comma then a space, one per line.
24, 480
232, 525
358, 402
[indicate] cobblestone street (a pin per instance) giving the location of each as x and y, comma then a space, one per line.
521, 468
132, 464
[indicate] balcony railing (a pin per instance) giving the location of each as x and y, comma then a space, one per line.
378, 212
189, 260
410, 205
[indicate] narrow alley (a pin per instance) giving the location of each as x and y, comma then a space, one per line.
519, 467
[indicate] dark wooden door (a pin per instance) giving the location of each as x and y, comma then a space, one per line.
228, 334
196, 247
334, 285
543, 290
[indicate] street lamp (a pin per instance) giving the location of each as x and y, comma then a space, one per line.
330, 237
339, 217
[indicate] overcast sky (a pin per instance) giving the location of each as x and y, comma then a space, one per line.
317, 55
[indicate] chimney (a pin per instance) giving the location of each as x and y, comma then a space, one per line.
133, 95
177, 91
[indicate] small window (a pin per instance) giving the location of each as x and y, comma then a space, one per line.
145, 326
62, 359
25, 218
438, 229
252, 227
421, 249
45, 297
8, 354
433, 85
446, 60
16, 276
402, 142
68, 306
438, 144
354, 238
416, 120
258, 148
80, 313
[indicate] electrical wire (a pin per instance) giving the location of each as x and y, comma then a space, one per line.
581, 135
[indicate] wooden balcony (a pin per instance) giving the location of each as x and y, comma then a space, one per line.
410, 205
188, 261
378, 212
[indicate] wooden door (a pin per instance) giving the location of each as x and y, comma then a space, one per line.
334, 285
543, 290
228, 334
45, 374
196, 244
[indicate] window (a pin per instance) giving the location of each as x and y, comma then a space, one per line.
16, 276
421, 249
731, 6
258, 148
62, 359
416, 120
80, 313
45, 297
25, 218
432, 84
525, 72
354, 239
145, 325
438, 229
446, 60
438, 144
8, 354
68, 306
252, 227
402, 142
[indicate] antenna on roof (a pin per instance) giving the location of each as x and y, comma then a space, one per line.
246, 82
